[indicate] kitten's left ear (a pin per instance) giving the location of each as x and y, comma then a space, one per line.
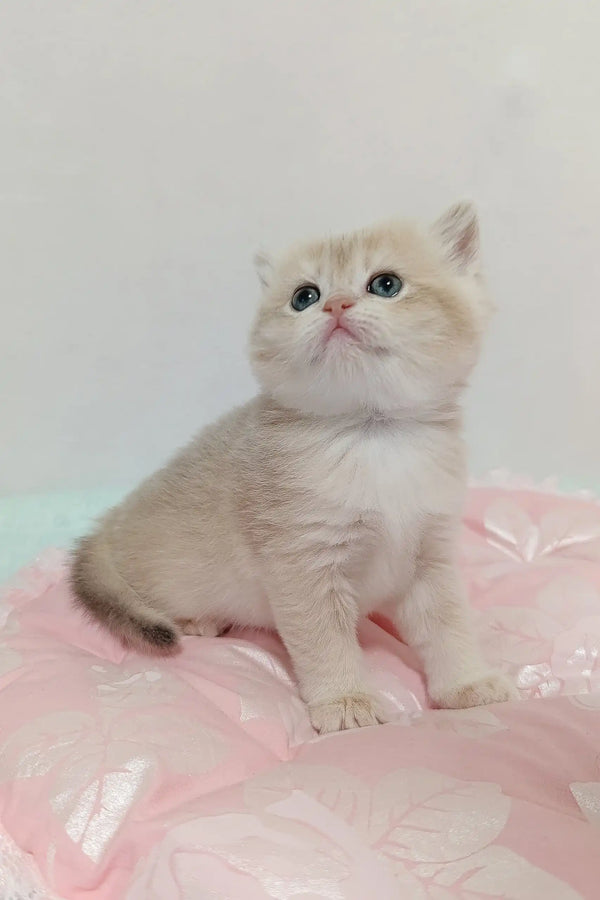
264, 267
458, 233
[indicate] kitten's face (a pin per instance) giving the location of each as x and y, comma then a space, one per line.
384, 320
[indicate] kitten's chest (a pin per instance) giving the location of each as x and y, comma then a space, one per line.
398, 478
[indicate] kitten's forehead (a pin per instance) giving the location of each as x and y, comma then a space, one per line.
340, 258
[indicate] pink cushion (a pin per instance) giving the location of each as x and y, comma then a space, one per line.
200, 776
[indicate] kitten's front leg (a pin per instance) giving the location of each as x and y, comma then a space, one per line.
317, 623
434, 619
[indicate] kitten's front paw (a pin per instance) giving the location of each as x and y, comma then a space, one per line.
491, 688
352, 711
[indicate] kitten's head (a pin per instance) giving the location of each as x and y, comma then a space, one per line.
385, 320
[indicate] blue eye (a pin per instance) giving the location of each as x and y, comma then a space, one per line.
305, 296
385, 285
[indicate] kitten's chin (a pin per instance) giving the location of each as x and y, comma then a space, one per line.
336, 397
347, 377
342, 391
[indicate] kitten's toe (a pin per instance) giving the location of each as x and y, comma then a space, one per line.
351, 711
201, 627
491, 688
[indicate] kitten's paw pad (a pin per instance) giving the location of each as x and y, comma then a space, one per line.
352, 711
492, 688
201, 627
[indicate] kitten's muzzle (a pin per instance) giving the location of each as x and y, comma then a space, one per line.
337, 307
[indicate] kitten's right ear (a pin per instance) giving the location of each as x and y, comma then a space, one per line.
264, 268
458, 234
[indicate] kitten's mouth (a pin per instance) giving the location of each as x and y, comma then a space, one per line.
340, 331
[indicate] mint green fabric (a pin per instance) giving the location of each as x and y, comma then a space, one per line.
31, 522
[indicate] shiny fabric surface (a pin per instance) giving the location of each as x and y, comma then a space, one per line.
200, 776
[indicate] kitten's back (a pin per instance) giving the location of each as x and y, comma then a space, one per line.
140, 570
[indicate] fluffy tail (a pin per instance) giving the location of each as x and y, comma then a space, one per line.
106, 597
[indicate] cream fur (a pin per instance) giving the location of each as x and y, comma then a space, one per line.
337, 490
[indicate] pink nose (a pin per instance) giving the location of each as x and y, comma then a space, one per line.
337, 305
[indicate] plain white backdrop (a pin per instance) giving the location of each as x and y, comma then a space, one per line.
147, 147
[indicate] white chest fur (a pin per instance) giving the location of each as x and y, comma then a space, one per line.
399, 474
393, 479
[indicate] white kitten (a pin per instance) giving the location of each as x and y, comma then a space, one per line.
337, 490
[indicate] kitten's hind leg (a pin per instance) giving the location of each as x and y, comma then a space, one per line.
201, 627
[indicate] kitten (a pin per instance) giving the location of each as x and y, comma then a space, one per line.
335, 491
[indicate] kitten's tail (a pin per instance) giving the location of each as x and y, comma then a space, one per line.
106, 597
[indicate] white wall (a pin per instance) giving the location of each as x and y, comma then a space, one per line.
148, 146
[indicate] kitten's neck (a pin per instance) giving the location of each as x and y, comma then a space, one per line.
445, 414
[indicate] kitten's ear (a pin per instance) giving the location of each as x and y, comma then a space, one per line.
264, 267
458, 233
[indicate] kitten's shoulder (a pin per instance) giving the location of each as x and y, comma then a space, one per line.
227, 427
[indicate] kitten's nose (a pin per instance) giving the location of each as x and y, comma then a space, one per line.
337, 305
